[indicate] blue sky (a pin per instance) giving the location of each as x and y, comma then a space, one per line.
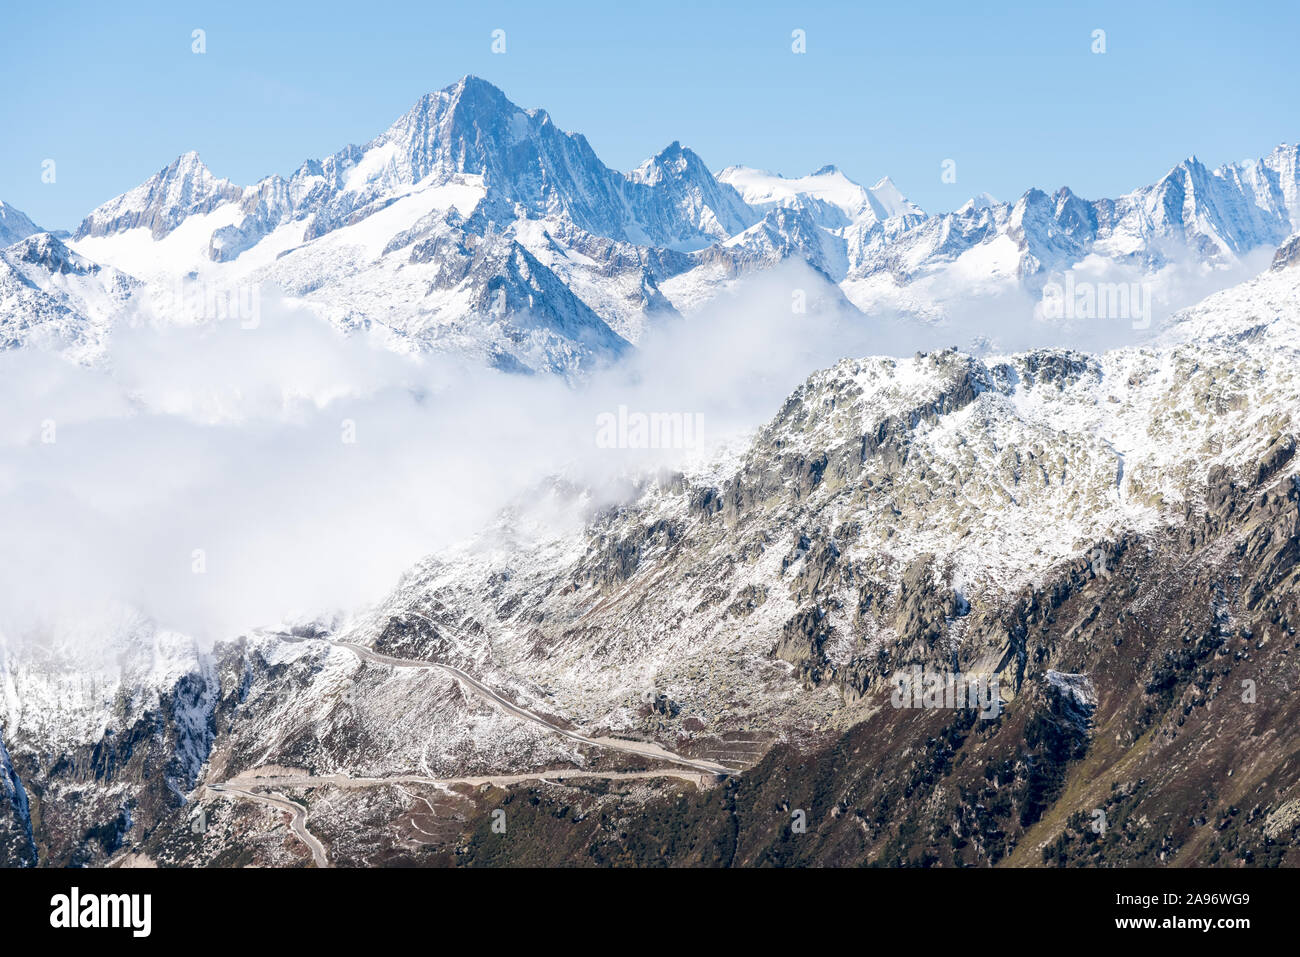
1014, 96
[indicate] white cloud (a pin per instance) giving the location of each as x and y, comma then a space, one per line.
231, 440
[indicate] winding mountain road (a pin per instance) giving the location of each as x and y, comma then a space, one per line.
644, 749
240, 785
699, 772
298, 823
282, 780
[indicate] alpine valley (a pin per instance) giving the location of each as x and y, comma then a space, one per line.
710, 669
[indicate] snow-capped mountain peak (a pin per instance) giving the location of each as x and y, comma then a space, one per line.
888, 201
1225, 211
14, 225
978, 201
161, 203
673, 161
56, 296
394, 232
47, 252
832, 198
675, 184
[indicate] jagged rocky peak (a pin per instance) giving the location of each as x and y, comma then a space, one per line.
1052, 231
14, 225
473, 127
1229, 210
674, 161
161, 203
888, 201
455, 129
49, 253
674, 194
978, 203
1288, 254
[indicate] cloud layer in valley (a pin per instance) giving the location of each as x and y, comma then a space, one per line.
217, 478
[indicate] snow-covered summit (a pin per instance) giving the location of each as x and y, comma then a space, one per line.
14, 225
161, 203
979, 201
828, 193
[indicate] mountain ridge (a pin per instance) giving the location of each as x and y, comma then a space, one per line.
1115, 537
631, 248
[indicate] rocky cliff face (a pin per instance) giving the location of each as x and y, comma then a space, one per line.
16, 846
1151, 723
1288, 254
183, 188
100, 744
15, 226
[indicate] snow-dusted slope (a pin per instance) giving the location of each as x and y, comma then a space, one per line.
55, 298
184, 188
107, 723
14, 225
981, 476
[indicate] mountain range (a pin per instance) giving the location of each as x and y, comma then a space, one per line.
476, 227
715, 666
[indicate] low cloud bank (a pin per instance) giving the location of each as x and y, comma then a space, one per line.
217, 477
